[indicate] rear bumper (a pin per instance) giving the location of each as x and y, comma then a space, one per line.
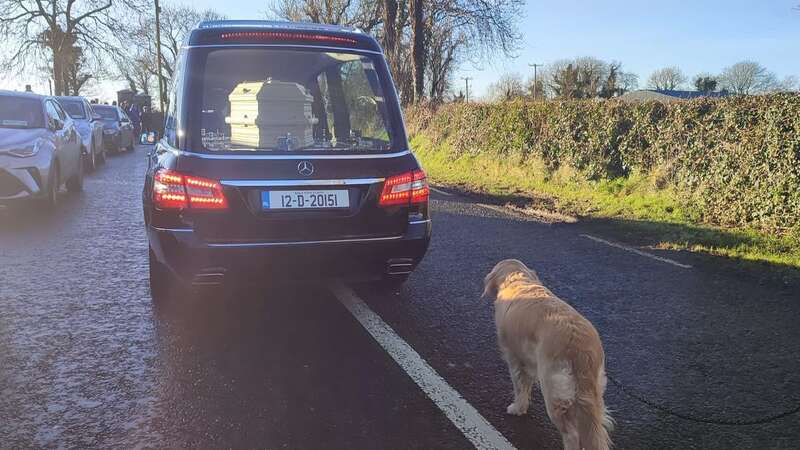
195, 261
111, 141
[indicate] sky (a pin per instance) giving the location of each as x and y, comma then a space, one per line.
697, 36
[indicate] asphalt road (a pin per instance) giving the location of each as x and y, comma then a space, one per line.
87, 362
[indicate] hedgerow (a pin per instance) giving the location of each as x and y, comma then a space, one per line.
734, 161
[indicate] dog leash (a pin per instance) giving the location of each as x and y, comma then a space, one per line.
694, 418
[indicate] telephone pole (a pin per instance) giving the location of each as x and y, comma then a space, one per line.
535, 78
161, 92
466, 82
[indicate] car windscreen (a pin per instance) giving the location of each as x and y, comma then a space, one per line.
106, 113
74, 108
287, 100
19, 112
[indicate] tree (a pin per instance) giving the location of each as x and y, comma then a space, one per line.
424, 40
666, 79
587, 77
60, 35
442, 58
540, 90
507, 87
788, 84
705, 83
136, 62
628, 81
748, 77
418, 47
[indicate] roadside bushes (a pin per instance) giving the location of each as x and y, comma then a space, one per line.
732, 161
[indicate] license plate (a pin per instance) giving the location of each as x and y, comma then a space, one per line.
305, 199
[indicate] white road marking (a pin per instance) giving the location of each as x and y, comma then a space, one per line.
463, 415
638, 252
439, 191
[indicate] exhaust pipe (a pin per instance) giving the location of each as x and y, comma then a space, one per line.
400, 266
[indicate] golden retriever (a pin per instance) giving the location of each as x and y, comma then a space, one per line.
544, 339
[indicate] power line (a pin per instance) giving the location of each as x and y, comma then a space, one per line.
535, 77
466, 81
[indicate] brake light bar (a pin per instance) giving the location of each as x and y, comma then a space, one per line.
405, 189
174, 190
286, 36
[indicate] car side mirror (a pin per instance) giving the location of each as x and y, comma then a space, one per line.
56, 125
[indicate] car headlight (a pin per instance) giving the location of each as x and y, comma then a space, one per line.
109, 131
24, 152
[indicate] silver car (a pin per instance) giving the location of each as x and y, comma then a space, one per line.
89, 126
40, 149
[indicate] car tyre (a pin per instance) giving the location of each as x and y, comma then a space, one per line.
91, 162
50, 201
75, 184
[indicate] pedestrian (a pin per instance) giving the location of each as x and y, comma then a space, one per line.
146, 123
136, 118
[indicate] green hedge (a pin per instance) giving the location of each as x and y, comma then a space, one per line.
734, 161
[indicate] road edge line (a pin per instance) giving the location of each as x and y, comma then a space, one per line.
464, 416
637, 251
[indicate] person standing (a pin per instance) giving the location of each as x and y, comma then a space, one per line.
136, 118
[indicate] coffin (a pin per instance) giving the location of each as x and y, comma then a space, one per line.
271, 114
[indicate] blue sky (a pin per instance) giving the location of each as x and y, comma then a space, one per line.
698, 36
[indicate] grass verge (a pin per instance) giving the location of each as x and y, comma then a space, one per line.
633, 207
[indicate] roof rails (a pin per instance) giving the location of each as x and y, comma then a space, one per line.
266, 32
276, 25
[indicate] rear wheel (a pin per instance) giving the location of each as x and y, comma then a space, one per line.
75, 184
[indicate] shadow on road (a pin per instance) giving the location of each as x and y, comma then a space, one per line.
283, 366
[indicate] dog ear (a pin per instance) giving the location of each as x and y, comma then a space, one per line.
490, 285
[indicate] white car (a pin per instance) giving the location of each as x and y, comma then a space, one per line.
89, 126
40, 149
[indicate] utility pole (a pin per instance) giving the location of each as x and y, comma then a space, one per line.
535, 78
158, 58
466, 81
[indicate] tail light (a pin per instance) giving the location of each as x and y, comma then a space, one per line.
286, 36
174, 190
405, 189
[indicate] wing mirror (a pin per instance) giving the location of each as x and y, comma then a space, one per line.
56, 125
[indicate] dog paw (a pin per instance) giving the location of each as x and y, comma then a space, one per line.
516, 410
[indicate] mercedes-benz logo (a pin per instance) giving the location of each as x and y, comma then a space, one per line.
305, 168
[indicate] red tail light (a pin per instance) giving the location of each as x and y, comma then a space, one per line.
286, 36
405, 189
174, 190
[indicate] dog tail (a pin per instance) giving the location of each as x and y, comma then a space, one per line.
594, 420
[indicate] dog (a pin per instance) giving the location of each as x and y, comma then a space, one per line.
544, 339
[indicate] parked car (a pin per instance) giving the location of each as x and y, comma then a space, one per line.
90, 128
284, 154
118, 131
40, 149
